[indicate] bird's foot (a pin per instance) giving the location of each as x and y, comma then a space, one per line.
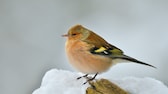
85, 76
90, 78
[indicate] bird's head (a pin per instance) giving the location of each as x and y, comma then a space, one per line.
77, 32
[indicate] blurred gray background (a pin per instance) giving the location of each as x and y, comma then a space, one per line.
31, 42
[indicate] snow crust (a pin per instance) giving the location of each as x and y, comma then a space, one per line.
64, 82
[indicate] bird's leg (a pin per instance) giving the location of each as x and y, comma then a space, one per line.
90, 79
82, 76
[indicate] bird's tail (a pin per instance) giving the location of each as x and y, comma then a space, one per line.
128, 58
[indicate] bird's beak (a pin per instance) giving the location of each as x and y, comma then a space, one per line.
65, 35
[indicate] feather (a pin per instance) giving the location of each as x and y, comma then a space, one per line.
128, 58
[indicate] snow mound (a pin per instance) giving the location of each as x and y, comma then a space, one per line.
65, 82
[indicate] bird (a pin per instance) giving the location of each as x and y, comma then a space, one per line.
89, 53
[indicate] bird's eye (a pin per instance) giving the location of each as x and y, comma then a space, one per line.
74, 34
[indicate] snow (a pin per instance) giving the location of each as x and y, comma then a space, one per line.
142, 85
64, 82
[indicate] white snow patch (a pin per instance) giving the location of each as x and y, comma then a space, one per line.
65, 82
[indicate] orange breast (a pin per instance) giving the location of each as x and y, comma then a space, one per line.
80, 58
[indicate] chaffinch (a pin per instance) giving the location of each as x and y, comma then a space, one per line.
91, 54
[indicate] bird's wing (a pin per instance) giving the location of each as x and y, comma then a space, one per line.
110, 52
102, 47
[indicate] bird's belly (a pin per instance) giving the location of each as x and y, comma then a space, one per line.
86, 62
